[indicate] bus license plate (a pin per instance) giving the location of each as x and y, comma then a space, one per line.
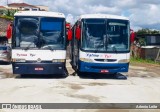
38, 69
104, 71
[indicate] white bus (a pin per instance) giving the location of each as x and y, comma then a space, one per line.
39, 43
101, 44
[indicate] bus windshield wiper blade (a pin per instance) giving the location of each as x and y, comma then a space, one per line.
104, 42
114, 49
50, 48
98, 47
47, 47
26, 48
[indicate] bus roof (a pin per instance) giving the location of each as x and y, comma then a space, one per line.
87, 16
39, 13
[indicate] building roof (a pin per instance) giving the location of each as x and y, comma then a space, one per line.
2, 7
40, 13
21, 5
102, 16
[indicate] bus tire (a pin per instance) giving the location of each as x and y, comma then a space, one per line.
120, 76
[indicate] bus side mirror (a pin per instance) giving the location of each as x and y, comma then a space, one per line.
69, 34
78, 33
9, 31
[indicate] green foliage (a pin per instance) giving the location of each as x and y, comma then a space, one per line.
6, 17
147, 31
10, 13
142, 41
140, 60
7, 14
1, 12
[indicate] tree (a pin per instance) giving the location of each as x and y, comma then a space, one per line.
147, 31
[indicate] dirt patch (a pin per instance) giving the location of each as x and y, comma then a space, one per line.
76, 87
25, 87
9, 75
109, 110
148, 67
57, 87
97, 84
143, 73
87, 97
6, 71
144, 64
144, 70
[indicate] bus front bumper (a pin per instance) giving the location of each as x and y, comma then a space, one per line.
39, 68
103, 67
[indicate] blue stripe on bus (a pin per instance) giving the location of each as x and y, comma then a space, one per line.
97, 67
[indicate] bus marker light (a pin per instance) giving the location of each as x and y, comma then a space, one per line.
104, 71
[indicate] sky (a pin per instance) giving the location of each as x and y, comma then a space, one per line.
142, 13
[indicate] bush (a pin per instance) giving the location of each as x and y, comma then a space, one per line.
8, 14
6, 17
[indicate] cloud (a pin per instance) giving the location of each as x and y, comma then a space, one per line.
146, 16
142, 13
70, 18
3, 2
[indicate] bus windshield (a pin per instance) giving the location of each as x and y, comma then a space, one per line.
105, 35
39, 32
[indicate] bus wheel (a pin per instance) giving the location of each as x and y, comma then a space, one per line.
120, 76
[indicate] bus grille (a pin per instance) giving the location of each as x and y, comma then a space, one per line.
106, 60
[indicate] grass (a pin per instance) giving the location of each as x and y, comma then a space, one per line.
145, 61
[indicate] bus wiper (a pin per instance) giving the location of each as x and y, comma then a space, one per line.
98, 47
104, 42
26, 48
114, 48
50, 48
40, 42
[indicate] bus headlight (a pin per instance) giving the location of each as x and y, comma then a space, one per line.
123, 61
18, 60
58, 60
86, 60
